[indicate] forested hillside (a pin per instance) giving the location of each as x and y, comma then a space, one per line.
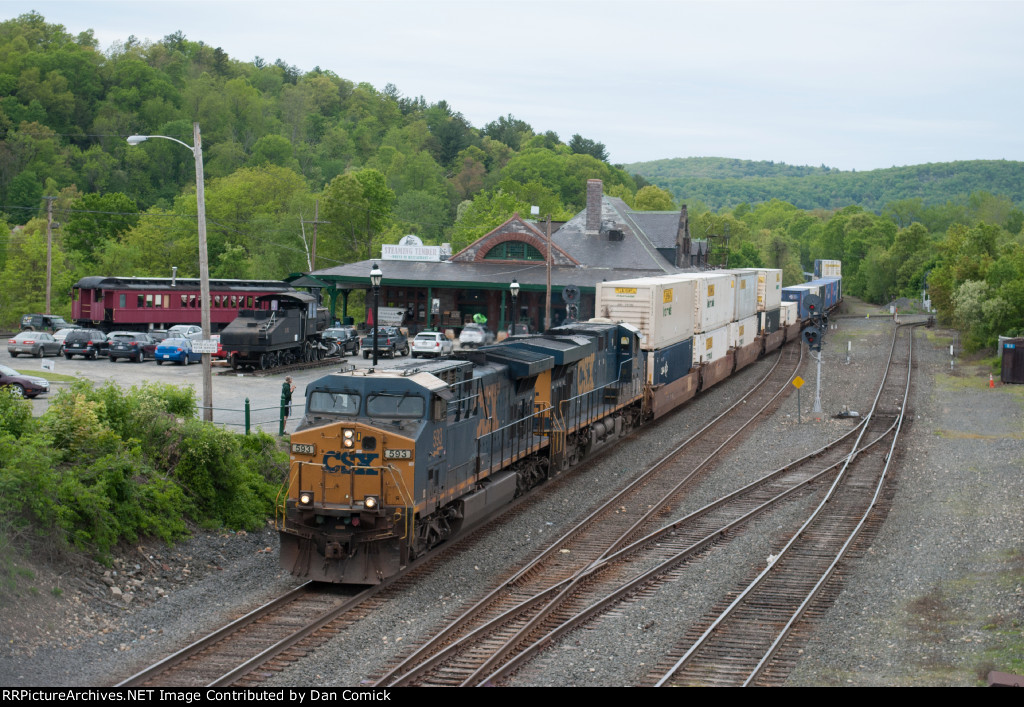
725, 183
284, 147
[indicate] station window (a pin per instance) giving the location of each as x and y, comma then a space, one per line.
122, 301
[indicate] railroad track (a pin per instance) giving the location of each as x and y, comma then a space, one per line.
490, 631
227, 655
753, 637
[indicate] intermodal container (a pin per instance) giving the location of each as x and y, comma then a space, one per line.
790, 313
660, 307
828, 268
746, 298
770, 321
713, 299
670, 363
769, 287
743, 332
710, 345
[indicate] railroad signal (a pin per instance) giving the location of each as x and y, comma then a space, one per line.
812, 336
814, 306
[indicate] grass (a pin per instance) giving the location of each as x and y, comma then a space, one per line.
49, 375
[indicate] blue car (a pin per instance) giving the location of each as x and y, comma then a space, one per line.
177, 350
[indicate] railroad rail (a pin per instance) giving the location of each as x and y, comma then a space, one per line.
467, 650
751, 640
228, 653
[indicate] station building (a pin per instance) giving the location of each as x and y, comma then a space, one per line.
606, 241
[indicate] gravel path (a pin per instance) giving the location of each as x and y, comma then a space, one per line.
936, 600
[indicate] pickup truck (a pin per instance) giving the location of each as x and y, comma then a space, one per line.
390, 342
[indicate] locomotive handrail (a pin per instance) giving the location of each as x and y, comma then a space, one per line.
536, 441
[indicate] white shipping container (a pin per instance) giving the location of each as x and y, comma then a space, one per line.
789, 313
769, 287
829, 268
746, 288
743, 332
713, 299
660, 307
711, 345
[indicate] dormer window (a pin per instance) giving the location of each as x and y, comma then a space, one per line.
513, 250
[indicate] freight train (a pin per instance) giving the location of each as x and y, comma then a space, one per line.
389, 463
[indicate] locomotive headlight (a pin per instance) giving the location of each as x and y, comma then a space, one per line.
305, 499
371, 503
348, 437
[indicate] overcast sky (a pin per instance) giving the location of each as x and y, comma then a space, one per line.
854, 85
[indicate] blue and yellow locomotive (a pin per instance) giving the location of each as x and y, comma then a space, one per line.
388, 463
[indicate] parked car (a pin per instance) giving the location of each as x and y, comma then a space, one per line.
185, 331
474, 335
345, 338
177, 350
390, 341
132, 345
431, 343
159, 335
87, 343
43, 322
61, 334
21, 385
33, 343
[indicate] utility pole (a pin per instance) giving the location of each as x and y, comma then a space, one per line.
311, 253
547, 296
49, 249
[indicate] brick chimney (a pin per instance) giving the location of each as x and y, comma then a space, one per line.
595, 189
683, 240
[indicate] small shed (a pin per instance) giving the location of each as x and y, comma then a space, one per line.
1013, 360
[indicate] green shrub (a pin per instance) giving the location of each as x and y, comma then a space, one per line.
15, 413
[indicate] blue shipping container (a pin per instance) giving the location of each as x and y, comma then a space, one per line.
670, 363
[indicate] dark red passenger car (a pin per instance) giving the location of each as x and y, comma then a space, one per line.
140, 303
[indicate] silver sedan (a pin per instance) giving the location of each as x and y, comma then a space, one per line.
33, 343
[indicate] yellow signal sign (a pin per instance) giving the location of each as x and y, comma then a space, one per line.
798, 382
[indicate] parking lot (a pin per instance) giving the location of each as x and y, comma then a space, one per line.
230, 389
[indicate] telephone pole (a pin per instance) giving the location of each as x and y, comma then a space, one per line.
49, 249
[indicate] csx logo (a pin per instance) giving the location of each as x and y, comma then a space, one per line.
350, 463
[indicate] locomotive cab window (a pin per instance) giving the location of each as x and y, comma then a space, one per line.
394, 405
323, 401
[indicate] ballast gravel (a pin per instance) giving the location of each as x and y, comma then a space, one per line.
936, 600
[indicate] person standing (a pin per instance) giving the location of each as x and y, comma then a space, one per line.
287, 388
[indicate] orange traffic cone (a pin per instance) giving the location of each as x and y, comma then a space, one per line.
991, 381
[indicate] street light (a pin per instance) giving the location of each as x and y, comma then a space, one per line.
375, 277
204, 267
514, 287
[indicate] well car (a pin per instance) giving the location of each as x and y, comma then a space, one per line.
33, 343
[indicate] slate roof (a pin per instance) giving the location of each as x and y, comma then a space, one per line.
600, 256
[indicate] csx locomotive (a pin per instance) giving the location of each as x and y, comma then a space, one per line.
388, 463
